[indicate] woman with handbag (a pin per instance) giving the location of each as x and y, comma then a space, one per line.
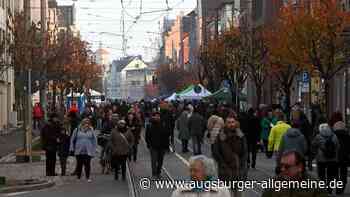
122, 141
84, 145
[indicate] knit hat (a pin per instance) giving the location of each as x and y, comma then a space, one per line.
324, 126
339, 126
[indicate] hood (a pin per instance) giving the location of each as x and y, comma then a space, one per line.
293, 132
325, 130
339, 126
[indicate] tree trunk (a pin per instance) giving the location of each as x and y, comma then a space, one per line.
43, 96
326, 98
54, 95
287, 94
258, 95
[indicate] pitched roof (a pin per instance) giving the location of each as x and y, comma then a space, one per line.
123, 62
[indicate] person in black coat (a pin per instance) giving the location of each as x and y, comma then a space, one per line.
49, 141
250, 125
63, 150
343, 136
157, 139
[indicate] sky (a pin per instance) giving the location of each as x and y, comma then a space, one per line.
96, 16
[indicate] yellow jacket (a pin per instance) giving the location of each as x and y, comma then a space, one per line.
276, 135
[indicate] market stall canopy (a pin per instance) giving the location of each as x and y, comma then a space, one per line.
173, 97
224, 94
194, 92
92, 92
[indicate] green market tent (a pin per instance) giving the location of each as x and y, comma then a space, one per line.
187, 89
193, 92
224, 94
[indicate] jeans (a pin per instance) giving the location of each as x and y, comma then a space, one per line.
342, 173
133, 154
157, 157
83, 160
196, 144
327, 171
50, 163
63, 162
252, 149
119, 161
184, 145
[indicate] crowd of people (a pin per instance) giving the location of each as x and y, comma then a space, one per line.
234, 138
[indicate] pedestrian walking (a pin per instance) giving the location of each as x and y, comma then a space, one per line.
202, 169
38, 115
325, 147
214, 126
168, 118
292, 140
343, 136
276, 134
49, 140
250, 125
300, 119
196, 127
84, 145
293, 169
267, 122
63, 150
230, 152
181, 125
134, 125
157, 139
122, 141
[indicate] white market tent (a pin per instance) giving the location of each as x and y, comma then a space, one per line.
93, 93
171, 98
191, 94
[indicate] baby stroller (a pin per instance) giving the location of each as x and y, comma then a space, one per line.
104, 141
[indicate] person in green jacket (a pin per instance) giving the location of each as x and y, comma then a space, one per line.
267, 122
293, 169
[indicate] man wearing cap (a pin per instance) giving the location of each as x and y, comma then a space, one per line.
157, 139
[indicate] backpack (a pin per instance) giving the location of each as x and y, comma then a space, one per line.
329, 149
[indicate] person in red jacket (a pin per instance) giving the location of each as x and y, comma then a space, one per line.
38, 115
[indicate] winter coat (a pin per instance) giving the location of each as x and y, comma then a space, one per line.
230, 152
215, 124
276, 135
343, 136
135, 128
183, 192
196, 125
293, 139
107, 126
167, 118
73, 120
157, 136
293, 192
318, 145
49, 136
121, 142
182, 126
38, 112
266, 127
250, 126
83, 143
63, 145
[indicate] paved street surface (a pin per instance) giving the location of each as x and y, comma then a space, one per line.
175, 168
10, 142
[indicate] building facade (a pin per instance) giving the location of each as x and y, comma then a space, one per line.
7, 92
134, 77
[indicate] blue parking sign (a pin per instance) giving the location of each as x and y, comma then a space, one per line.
306, 77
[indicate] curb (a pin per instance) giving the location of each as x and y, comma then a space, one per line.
25, 188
